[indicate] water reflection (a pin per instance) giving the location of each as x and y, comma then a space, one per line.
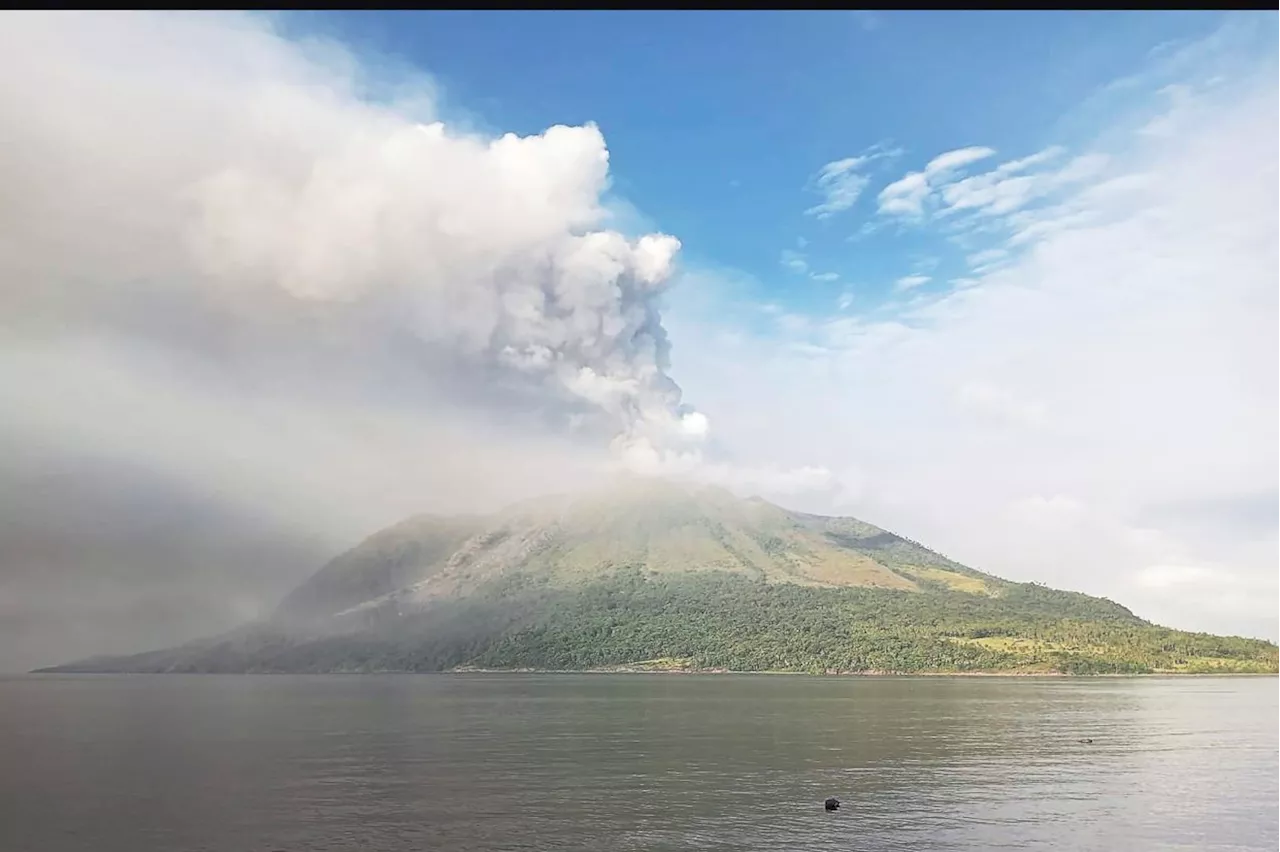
594, 762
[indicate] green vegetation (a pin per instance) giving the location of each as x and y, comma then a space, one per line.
635, 619
658, 577
723, 621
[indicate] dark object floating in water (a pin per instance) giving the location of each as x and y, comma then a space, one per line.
1087, 742
832, 803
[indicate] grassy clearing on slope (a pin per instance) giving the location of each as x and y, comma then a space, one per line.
1028, 647
1217, 665
950, 579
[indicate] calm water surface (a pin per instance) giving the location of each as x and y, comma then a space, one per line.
633, 762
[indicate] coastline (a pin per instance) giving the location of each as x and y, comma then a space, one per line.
641, 670
633, 670
629, 670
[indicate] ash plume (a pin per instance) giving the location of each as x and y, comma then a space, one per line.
206, 163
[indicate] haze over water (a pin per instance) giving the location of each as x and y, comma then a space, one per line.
462, 763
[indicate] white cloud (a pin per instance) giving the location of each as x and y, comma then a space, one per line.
986, 259
1002, 191
797, 262
905, 196
910, 282
1039, 158
992, 399
986, 256
940, 191
951, 160
841, 182
866, 230
794, 323
1039, 420
988, 194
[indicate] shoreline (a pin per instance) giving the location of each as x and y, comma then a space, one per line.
677, 672
850, 674
658, 671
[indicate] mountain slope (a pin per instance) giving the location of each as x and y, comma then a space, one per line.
657, 575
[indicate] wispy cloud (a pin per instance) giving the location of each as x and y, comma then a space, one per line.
941, 188
1181, 101
906, 196
797, 263
1005, 208
910, 282
986, 258
794, 261
957, 159
1003, 190
841, 182
866, 230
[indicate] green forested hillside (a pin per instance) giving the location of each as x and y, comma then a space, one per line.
725, 622
663, 577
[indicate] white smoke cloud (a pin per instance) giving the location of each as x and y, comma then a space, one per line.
206, 161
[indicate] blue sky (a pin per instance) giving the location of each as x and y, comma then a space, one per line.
718, 125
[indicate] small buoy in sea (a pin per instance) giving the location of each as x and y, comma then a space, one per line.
832, 803
1087, 742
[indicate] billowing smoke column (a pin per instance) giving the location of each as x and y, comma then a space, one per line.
485, 247
229, 162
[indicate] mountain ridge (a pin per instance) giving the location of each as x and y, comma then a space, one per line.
660, 575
